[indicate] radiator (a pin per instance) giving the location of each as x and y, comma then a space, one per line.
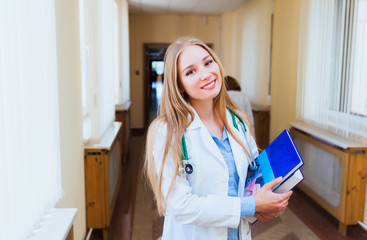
102, 163
321, 167
335, 176
114, 162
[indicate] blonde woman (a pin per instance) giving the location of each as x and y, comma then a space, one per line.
199, 150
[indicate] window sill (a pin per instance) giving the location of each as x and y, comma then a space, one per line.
123, 107
57, 224
326, 136
108, 138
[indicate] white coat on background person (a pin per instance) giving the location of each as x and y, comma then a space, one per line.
243, 102
241, 99
199, 208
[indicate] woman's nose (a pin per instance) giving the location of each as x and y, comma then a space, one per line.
204, 74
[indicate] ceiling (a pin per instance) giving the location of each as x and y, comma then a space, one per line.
185, 7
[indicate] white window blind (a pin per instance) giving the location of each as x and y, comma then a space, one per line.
30, 175
85, 68
98, 24
125, 58
116, 55
332, 85
106, 65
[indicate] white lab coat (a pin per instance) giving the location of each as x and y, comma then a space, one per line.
199, 206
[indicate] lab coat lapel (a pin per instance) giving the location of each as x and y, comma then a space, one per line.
206, 138
210, 145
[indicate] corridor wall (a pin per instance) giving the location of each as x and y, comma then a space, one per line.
70, 105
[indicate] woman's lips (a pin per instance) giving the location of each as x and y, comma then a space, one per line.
209, 86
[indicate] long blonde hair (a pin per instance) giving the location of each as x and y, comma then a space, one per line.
174, 116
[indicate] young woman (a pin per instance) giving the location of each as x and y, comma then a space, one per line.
199, 150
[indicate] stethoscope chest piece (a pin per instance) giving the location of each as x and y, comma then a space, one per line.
188, 168
185, 168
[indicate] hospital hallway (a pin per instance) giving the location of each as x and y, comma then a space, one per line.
135, 217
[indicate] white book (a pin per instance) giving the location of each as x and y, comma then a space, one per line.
290, 183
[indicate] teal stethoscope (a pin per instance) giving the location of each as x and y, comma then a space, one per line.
187, 167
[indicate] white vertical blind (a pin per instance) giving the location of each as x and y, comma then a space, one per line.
106, 63
125, 59
116, 53
85, 69
30, 175
101, 66
359, 69
331, 75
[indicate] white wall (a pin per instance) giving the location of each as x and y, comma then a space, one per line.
284, 67
70, 104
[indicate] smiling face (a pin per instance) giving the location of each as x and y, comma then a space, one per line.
199, 75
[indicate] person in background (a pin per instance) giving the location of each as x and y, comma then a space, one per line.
199, 150
234, 91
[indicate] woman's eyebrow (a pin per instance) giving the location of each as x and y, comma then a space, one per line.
208, 56
190, 66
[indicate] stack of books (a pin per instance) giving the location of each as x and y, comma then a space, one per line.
280, 159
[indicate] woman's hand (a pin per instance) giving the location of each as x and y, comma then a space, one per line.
270, 204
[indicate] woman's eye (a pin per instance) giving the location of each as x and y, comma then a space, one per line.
189, 72
208, 62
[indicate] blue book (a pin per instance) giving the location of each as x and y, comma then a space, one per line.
280, 159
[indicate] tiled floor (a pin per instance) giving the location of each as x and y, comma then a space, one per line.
136, 219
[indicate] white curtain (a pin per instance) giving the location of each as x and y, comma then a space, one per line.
332, 58
125, 58
85, 69
106, 63
30, 175
117, 54
102, 67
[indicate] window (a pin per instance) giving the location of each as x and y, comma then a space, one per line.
116, 51
30, 173
122, 57
331, 78
99, 63
85, 66
358, 69
125, 58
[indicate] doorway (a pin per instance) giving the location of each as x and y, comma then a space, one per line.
154, 69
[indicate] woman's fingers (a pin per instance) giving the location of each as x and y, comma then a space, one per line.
272, 203
273, 183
